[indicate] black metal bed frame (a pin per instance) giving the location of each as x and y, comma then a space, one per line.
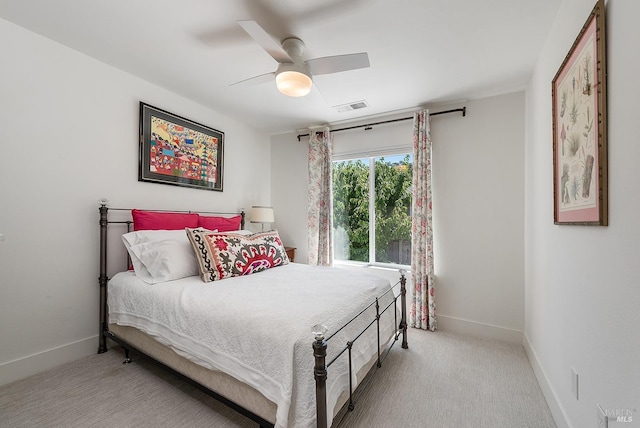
319, 344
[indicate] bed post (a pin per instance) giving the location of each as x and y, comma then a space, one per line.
320, 374
403, 299
102, 280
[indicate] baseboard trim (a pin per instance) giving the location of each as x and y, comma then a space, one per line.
45, 360
478, 329
557, 411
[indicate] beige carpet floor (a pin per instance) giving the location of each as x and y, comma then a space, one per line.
442, 380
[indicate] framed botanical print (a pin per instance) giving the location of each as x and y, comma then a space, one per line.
580, 128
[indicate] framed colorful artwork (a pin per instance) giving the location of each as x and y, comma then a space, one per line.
579, 95
179, 151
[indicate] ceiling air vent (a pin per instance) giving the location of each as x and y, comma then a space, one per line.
356, 105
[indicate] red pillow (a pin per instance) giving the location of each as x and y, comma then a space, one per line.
150, 220
221, 224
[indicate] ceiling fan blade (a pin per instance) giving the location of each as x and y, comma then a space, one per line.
256, 80
319, 92
263, 38
338, 63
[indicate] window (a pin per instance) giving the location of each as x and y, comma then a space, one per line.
372, 209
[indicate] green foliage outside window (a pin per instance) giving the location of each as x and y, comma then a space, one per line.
351, 208
392, 209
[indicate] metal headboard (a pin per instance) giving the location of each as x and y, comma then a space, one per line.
103, 278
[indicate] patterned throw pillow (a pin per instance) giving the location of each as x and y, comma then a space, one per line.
223, 255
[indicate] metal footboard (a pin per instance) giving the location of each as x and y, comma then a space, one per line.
320, 347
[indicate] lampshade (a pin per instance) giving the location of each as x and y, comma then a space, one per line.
259, 214
293, 83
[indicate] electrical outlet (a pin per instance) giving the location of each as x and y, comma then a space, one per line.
574, 383
603, 421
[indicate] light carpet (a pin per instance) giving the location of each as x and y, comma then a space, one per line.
442, 380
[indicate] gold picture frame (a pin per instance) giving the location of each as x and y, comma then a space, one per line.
579, 98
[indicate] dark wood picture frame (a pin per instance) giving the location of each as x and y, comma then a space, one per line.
178, 151
579, 95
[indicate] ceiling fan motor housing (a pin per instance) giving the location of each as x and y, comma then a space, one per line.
294, 79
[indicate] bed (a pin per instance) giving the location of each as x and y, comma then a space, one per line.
285, 344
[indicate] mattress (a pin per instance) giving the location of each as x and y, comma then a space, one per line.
257, 328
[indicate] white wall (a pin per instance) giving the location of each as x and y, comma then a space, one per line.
290, 192
69, 137
582, 282
478, 208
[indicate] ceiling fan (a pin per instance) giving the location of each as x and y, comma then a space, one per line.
294, 75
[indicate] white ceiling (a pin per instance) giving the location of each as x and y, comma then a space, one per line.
421, 51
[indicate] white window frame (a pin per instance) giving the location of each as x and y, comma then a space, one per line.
371, 155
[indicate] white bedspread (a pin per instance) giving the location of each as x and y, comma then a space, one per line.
257, 328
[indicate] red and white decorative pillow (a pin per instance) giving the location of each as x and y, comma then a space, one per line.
223, 255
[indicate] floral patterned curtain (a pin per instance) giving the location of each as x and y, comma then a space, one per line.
423, 306
320, 198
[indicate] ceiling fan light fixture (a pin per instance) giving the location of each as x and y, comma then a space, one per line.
293, 83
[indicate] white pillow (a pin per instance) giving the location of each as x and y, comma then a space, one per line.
161, 255
164, 260
243, 232
141, 236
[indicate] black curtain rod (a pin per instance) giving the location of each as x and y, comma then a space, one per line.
369, 125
